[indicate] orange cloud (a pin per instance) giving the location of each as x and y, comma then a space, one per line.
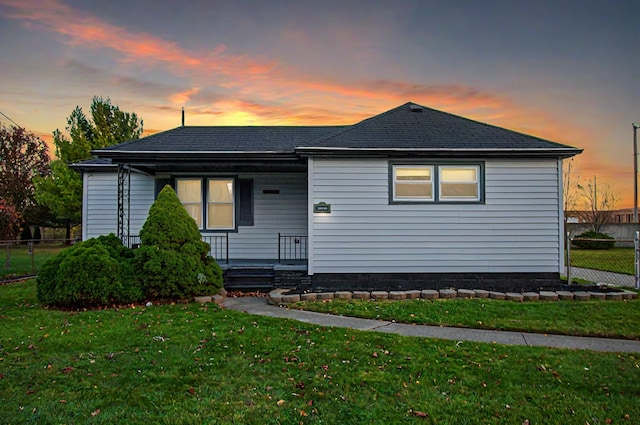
89, 31
183, 97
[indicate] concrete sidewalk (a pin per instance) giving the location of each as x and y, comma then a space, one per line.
259, 306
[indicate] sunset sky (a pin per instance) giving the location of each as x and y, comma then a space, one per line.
564, 70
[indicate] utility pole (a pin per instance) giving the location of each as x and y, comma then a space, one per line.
635, 171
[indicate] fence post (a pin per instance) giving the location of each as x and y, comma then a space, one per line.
7, 261
31, 253
568, 244
636, 242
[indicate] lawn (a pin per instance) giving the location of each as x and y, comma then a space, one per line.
613, 319
618, 260
21, 262
195, 364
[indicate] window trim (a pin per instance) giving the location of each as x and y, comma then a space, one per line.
429, 167
450, 199
202, 200
204, 186
436, 182
207, 202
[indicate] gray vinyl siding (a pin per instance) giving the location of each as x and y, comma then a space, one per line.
101, 206
101, 210
515, 230
285, 212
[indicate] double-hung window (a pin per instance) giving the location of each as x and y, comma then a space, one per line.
459, 182
436, 183
189, 192
212, 206
413, 183
220, 204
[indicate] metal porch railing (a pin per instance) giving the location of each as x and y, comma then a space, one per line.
219, 245
292, 247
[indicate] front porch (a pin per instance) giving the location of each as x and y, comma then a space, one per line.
289, 269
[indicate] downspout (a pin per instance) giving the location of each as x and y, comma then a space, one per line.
310, 216
561, 221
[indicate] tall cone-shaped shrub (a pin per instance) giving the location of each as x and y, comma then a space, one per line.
173, 261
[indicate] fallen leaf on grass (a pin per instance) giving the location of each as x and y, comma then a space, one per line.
67, 369
418, 414
280, 402
95, 412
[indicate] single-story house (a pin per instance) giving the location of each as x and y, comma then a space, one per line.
410, 198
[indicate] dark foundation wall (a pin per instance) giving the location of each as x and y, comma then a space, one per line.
510, 282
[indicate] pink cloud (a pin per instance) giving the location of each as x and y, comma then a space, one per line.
85, 30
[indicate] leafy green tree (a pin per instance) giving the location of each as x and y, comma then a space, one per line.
23, 157
61, 192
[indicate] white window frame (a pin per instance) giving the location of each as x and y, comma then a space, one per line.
232, 203
201, 202
416, 182
441, 180
436, 182
205, 201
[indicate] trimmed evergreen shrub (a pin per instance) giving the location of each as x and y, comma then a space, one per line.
173, 261
90, 273
586, 241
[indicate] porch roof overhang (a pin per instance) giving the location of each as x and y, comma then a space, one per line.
154, 162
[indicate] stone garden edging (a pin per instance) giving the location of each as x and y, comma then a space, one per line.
280, 296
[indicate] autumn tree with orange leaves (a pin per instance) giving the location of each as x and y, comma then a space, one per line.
23, 156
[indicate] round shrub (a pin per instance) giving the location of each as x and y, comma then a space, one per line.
173, 261
90, 273
594, 240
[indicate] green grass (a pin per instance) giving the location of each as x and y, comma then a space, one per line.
20, 261
618, 260
612, 319
194, 364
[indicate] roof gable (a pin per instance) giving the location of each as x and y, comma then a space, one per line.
413, 126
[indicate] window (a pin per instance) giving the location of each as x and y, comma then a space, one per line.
438, 183
459, 183
413, 183
212, 201
189, 192
220, 204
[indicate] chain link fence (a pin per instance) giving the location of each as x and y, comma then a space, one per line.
604, 261
24, 258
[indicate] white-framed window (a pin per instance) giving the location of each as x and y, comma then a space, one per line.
459, 182
415, 182
189, 192
210, 201
220, 204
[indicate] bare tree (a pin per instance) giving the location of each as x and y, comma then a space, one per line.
597, 203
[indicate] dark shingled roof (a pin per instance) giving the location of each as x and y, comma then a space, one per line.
412, 126
227, 139
408, 127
